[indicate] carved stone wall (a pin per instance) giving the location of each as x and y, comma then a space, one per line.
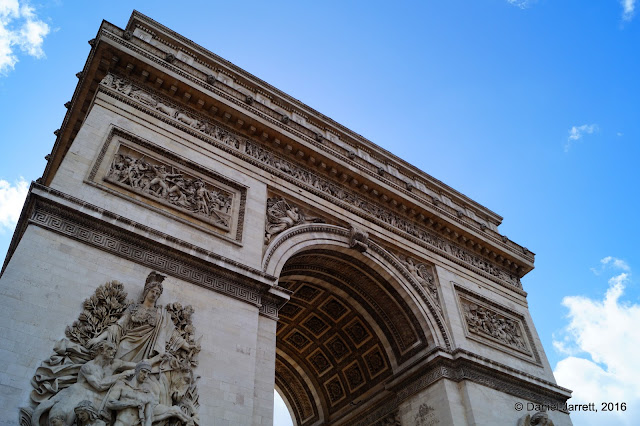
202, 126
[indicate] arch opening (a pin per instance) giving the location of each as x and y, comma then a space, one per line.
346, 330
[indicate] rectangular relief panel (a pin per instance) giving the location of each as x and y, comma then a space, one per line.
149, 175
495, 325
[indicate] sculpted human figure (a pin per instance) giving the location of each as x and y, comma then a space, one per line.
56, 421
132, 399
87, 415
94, 379
178, 184
203, 198
145, 330
161, 178
282, 216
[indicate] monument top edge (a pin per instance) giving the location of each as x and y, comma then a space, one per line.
189, 46
192, 67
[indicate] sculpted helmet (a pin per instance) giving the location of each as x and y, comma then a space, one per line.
153, 280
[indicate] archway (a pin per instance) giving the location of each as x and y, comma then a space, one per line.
353, 321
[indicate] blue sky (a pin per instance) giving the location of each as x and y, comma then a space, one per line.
529, 107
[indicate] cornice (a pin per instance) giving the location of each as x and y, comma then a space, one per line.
458, 366
178, 43
66, 215
414, 184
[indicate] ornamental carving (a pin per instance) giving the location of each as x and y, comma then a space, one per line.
282, 216
489, 323
538, 419
358, 239
316, 183
426, 416
122, 362
165, 183
424, 275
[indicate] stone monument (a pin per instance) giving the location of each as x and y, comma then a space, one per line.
199, 238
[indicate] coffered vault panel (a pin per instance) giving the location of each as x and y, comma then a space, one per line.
338, 332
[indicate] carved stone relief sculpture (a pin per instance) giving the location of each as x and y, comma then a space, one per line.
282, 216
122, 363
486, 322
426, 416
358, 239
163, 182
424, 275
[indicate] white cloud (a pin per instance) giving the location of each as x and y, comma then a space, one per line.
628, 9
601, 341
611, 262
615, 262
19, 28
576, 133
522, 4
11, 201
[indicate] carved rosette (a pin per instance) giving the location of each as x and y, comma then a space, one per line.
93, 367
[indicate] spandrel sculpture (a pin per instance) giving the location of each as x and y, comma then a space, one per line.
112, 336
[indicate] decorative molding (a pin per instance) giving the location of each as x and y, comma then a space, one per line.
202, 127
495, 325
297, 392
135, 248
463, 367
125, 222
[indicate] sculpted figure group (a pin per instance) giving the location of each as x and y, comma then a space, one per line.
484, 321
123, 364
174, 187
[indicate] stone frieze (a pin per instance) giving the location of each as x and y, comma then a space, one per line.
162, 182
261, 156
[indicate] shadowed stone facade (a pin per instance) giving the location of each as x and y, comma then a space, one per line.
293, 253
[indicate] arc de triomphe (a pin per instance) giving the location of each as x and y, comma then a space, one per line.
195, 217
